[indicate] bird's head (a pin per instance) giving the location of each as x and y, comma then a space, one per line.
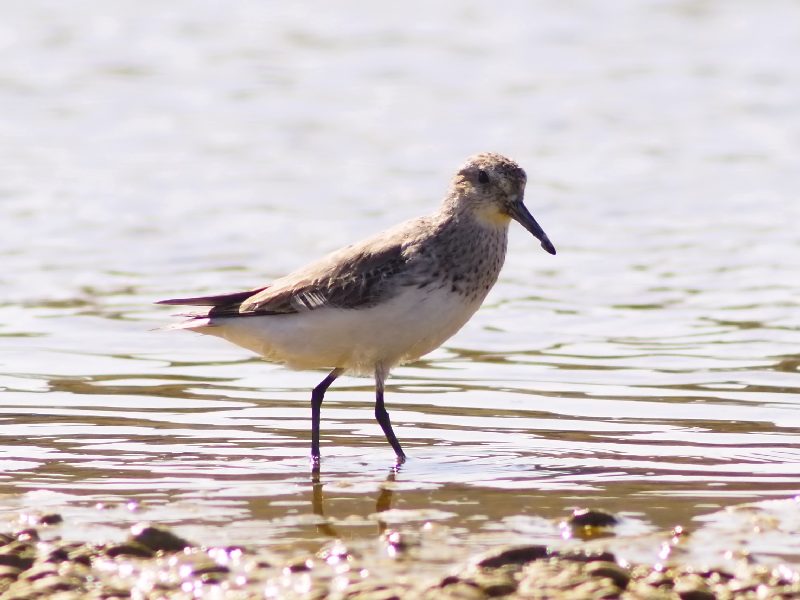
491, 188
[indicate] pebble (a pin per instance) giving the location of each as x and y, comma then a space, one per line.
619, 576
158, 539
514, 556
584, 517
156, 563
457, 590
132, 549
51, 519
19, 561
8, 572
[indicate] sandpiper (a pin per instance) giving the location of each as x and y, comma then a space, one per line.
387, 300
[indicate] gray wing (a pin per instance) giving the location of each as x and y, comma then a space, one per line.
354, 277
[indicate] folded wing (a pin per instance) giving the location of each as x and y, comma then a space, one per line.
353, 277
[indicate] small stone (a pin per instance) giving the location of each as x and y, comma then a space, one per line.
693, 587
158, 539
495, 590
642, 591
697, 594
67, 595
19, 561
495, 582
58, 555
39, 571
456, 591
588, 556
514, 556
51, 519
69, 569
449, 580
28, 535
114, 590
212, 578
610, 570
55, 583
566, 575
299, 565
129, 549
593, 589
8, 572
209, 567
659, 579
584, 517
81, 556
369, 590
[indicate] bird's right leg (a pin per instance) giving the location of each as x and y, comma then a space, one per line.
316, 404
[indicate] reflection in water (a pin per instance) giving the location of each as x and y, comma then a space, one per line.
317, 505
383, 501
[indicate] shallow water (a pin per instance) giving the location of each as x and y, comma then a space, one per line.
650, 368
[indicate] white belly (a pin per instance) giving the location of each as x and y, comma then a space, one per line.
398, 330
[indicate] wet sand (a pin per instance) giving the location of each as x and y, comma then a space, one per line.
154, 562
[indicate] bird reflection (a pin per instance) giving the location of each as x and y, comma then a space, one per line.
383, 502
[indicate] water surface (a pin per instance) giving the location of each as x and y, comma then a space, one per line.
650, 368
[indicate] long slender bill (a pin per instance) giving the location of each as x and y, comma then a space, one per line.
521, 215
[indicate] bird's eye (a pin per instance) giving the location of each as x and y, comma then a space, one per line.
483, 177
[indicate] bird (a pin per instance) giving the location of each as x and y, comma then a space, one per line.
387, 300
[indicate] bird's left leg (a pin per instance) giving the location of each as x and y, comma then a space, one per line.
382, 415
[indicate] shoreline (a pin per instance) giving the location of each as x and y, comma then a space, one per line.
153, 562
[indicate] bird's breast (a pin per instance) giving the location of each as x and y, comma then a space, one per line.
466, 258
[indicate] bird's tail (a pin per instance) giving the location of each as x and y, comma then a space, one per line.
193, 321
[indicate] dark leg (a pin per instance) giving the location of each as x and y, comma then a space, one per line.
316, 403
383, 417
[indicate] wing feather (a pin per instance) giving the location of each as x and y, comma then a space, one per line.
355, 276
351, 278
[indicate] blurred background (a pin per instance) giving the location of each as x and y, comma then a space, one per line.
152, 150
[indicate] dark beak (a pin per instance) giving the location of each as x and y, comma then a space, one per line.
521, 215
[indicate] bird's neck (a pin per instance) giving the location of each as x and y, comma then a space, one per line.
472, 250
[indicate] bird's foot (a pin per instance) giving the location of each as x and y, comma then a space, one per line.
315, 462
399, 460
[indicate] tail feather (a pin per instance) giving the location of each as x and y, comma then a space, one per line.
193, 322
221, 299
201, 320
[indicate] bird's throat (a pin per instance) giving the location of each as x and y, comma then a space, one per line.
489, 216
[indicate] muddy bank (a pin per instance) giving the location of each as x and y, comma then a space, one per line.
153, 562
